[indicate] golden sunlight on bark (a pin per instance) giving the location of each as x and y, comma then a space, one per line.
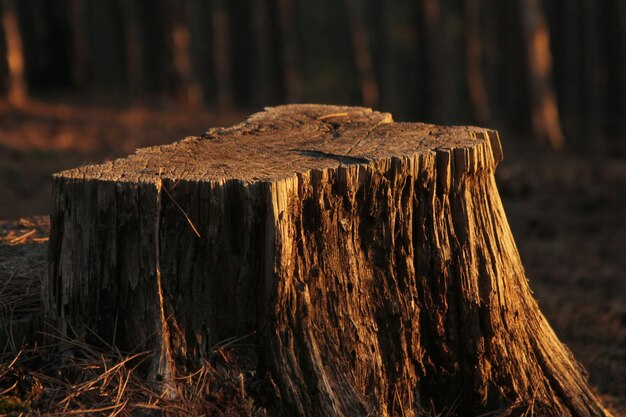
370, 261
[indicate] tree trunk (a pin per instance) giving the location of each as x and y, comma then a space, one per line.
474, 57
404, 83
370, 262
289, 42
362, 56
80, 47
221, 55
440, 89
544, 110
189, 89
105, 39
17, 89
593, 78
265, 90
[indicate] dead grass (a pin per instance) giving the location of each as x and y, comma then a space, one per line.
22, 263
86, 380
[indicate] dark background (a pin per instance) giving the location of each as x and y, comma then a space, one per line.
498, 63
88, 80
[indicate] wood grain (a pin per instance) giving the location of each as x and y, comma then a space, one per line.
370, 261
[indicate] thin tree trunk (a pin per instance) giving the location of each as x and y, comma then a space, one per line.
433, 45
402, 75
263, 88
189, 89
594, 90
544, 110
474, 56
105, 42
362, 56
134, 49
17, 88
442, 57
202, 41
79, 43
489, 20
620, 8
613, 41
571, 71
221, 55
158, 74
289, 41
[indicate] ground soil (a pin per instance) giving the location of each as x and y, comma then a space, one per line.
568, 215
567, 212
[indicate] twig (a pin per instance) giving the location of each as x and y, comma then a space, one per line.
182, 211
23, 237
328, 116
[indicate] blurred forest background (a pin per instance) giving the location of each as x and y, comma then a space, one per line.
551, 69
88, 80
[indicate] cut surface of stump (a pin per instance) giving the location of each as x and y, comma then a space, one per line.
370, 263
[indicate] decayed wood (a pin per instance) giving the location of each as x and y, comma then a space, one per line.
370, 260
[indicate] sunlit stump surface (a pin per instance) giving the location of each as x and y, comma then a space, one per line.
369, 263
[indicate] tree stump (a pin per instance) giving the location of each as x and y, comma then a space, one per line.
371, 260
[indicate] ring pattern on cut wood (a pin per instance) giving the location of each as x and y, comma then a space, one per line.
371, 260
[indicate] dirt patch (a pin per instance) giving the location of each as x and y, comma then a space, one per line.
568, 216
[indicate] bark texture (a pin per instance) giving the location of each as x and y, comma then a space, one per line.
371, 260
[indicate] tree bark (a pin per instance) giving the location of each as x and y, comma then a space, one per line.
370, 261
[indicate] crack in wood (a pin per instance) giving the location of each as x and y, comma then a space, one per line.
341, 158
367, 135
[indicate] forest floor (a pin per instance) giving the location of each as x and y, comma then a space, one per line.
567, 212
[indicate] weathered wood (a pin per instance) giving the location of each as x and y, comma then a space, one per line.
371, 260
